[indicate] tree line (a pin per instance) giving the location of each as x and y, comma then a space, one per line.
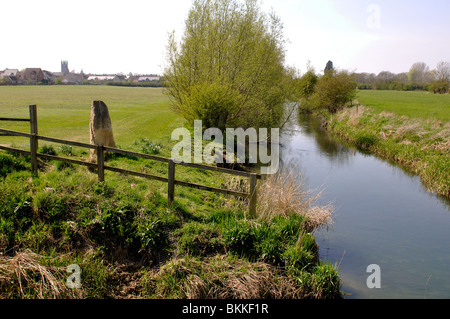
419, 77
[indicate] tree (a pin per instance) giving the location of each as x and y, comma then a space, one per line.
233, 48
418, 72
333, 91
443, 71
307, 83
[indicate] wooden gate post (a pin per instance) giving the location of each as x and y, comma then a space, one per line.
171, 183
253, 196
100, 163
33, 139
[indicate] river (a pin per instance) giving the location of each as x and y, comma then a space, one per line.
383, 215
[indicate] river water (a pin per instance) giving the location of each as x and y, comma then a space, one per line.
382, 215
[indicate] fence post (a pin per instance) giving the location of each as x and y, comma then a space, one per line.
253, 196
171, 183
33, 139
100, 164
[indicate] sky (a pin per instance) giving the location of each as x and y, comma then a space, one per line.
117, 36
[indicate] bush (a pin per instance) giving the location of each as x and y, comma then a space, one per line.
440, 87
333, 91
307, 84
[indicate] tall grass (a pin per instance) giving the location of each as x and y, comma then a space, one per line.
284, 194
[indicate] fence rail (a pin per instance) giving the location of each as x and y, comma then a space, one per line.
101, 167
11, 120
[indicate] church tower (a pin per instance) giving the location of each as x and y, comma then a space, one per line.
64, 67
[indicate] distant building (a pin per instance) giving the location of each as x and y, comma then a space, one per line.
9, 72
65, 67
49, 77
328, 67
148, 78
73, 78
9, 76
102, 78
31, 76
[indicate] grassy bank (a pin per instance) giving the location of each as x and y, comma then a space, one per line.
126, 240
409, 128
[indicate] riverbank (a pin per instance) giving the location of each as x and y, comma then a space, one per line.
421, 145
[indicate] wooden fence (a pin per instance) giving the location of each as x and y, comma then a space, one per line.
101, 167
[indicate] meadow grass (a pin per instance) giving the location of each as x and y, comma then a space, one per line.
414, 104
64, 112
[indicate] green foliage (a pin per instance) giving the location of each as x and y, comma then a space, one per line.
265, 241
297, 259
198, 239
440, 87
307, 84
333, 91
365, 140
236, 50
212, 103
326, 280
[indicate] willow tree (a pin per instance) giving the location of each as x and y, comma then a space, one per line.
228, 69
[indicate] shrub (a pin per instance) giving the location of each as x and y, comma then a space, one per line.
440, 87
333, 91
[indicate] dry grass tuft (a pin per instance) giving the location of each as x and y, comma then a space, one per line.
220, 277
25, 276
353, 114
410, 128
283, 194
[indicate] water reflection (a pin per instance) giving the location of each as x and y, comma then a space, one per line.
309, 126
383, 216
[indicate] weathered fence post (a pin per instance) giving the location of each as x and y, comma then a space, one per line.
33, 139
253, 196
171, 182
100, 163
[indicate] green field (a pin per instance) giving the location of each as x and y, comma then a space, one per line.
414, 104
64, 111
